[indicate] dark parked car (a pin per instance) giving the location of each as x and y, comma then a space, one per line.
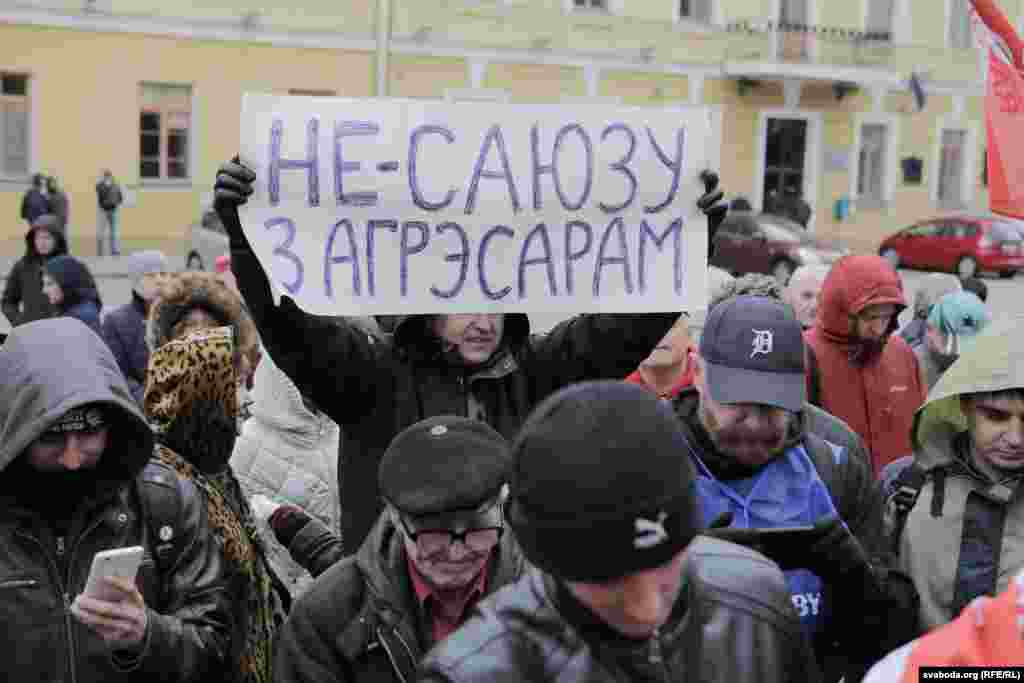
765, 243
965, 245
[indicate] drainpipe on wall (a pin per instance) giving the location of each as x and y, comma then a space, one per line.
383, 45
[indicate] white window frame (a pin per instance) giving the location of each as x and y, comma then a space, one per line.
812, 156
971, 152
610, 7
193, 135
947, 25
901, 19
774, 36
892, 148
714, 16
32, 141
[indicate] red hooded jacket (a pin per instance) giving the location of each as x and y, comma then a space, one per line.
878, 398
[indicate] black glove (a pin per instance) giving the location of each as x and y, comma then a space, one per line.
713, 204
232, 189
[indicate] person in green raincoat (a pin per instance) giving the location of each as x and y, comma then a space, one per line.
963, 536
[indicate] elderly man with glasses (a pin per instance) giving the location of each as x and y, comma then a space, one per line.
437, 549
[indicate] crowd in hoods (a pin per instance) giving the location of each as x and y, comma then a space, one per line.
776, 496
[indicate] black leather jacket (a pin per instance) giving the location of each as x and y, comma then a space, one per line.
733, 622
41, 573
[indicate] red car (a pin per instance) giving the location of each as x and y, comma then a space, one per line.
965, 245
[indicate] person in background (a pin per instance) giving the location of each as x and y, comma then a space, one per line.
751, 284
35, 203
110, 198
977, 286
857, 369
191, 402
804, 291
59, 204
954, 320
193, 300
930, 289
76, 478
72, 291
623, 587
124, 328
23, 298
666, 371
439, 548
287, 453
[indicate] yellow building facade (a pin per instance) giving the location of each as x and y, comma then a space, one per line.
814, 94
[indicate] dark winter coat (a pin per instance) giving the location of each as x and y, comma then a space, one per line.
60, 207
45, 558
124, 330
81, 295
847, 475
733, 621
374, 389
23, 299
33, 205
361, 620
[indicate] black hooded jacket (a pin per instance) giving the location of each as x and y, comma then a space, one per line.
23, 299
375, 388
52, 524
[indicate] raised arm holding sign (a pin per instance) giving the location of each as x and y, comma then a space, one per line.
461, 218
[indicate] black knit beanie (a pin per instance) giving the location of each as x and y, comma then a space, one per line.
602, 486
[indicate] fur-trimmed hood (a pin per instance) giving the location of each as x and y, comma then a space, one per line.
184, 292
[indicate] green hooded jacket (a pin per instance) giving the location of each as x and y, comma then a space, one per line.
965, 535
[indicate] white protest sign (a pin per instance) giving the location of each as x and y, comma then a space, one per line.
398, 206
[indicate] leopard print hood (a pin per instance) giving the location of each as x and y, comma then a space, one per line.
183, 292
191, 396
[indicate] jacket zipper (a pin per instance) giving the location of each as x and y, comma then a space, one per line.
655, 656
61, 549
63, 594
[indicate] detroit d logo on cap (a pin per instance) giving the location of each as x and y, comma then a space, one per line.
764, 340
648, 533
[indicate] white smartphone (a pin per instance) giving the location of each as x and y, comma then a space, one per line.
119, 562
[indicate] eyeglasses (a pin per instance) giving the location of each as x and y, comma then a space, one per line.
435, 541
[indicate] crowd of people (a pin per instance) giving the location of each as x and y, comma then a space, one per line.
796, 492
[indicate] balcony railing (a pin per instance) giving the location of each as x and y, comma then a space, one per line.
796, 42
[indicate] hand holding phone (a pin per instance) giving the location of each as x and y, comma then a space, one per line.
121, 563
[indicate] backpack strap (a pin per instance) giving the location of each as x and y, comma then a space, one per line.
160, 498
906, 489
814, 376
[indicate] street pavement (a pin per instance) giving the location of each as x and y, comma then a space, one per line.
1005, 297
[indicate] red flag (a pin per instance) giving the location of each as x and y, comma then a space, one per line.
1004, 108
1004, 119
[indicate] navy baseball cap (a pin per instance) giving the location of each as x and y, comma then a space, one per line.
753, 351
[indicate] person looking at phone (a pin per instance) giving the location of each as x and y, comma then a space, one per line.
76, 480
756, 462
439, 547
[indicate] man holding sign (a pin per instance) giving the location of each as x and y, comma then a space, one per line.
608, 193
